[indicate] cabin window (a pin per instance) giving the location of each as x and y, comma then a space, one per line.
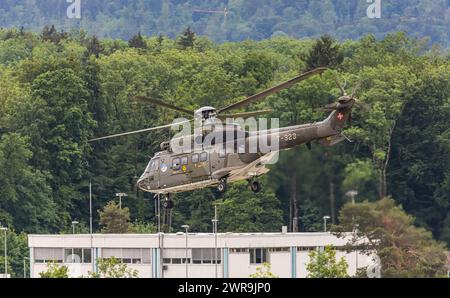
184, 160
176, 164
203, 156
195, 158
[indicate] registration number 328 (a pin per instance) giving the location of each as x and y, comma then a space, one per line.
289, 136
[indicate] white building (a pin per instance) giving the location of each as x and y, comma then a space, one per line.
164, 255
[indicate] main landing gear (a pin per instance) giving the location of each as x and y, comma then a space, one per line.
255, 185
222, 187
167, 205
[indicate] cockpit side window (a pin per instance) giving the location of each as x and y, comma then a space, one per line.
149, 166
152, 166
155, 165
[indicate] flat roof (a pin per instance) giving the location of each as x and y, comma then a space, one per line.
178, 240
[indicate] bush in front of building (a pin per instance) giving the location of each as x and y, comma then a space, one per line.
55, 270
113, 268
323, 264
263, 271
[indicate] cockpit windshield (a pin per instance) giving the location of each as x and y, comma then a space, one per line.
152, 166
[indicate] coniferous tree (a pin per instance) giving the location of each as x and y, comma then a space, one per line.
186, 39
115, 219
325, 53
52, 35
94, 47
137, 41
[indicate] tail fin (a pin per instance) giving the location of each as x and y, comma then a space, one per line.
338, 118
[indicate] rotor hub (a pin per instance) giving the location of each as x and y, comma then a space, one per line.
205, 113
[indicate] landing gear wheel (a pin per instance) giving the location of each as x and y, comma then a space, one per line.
255, 186
222, 187
168, 203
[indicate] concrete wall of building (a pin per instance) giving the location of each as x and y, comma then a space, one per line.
280, 263
170, 245
302, 262
239, 264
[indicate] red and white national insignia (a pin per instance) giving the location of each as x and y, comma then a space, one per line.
340, 116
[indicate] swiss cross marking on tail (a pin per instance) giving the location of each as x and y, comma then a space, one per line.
340, 116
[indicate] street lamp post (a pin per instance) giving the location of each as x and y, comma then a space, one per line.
351, 194
25, 266
325, 218
90, 208
215, 221
73, 226
5, 229
120, 195
186, 227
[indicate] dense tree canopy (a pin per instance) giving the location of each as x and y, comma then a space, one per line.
385, 229
244, 19
56, 93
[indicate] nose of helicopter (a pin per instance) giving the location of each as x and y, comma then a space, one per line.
143, 182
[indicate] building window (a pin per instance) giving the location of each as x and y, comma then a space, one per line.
87, 258
44, 255
128, 255
176, 260
279, 249
195, 158
205, 256
203, 156
176, 164
77, 255
306, 248
258, 255
238, 250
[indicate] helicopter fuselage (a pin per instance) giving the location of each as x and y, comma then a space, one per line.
170, 172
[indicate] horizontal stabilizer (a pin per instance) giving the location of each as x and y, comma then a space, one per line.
331, 140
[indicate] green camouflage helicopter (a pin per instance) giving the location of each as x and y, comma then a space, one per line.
214, 164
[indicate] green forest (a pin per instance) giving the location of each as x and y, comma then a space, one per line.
59, 89
245, 19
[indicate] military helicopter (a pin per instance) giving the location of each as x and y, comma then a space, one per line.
170, 172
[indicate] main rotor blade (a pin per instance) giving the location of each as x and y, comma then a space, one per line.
340, 87
244, 114
363, 105
164, 104
273, 90
138, 131
356, 89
